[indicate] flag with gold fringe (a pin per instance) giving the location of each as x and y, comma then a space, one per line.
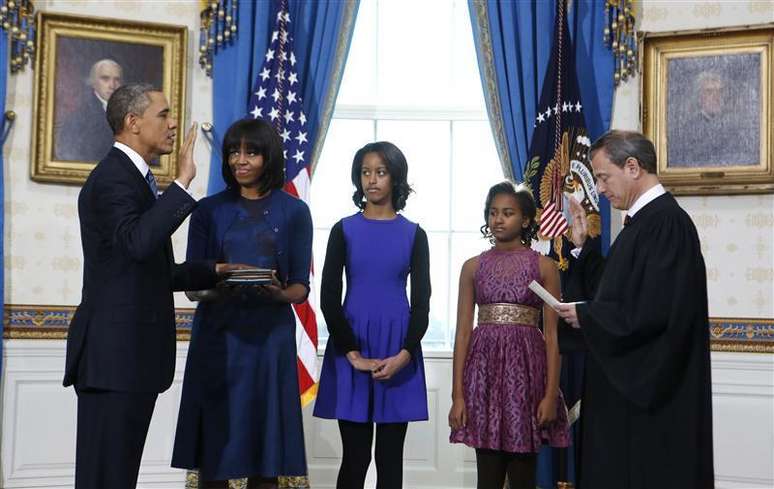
559, 166
559, 169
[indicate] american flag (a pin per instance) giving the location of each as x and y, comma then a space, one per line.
276, 98
552, 222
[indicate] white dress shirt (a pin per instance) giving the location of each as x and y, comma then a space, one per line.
140, 163
649, 196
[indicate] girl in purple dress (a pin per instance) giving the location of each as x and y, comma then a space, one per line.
505, 396
373, 371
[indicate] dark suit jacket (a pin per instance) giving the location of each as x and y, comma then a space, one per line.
122, 336
84, 135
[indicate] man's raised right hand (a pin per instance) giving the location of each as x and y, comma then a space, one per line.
186, 166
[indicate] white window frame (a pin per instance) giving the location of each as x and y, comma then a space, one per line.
451, 115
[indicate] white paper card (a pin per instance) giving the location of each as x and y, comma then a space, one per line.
544, 294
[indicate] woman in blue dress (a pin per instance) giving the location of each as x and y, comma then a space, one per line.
373, 373
240, 414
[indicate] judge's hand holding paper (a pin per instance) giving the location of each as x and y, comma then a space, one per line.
565, 310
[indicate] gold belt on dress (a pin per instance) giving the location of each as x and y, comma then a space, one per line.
517, 314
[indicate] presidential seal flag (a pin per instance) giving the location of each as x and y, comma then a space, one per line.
558, 169
276, 98
559, 165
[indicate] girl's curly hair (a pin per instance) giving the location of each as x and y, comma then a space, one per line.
526, 204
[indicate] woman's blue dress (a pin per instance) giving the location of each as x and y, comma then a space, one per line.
240, 412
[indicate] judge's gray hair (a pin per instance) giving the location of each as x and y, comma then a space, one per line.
128, 99
621, 145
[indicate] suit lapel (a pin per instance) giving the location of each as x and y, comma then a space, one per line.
137, 179
144, 189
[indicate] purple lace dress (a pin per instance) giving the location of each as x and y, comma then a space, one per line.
505, 370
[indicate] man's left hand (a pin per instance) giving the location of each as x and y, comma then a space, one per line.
569, 314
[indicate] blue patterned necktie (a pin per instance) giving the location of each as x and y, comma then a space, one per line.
152, 184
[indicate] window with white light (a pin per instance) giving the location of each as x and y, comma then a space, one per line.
412, 79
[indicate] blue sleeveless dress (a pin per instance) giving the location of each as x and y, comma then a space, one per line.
377, 308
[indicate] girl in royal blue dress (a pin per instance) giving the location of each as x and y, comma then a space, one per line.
373, 373
240, 414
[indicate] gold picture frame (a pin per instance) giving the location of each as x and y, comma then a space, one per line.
80, 60
706, 105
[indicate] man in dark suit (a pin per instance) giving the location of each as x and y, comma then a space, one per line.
85, 134
121, 341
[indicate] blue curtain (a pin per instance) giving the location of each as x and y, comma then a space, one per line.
322, 33
513, 44
3, 123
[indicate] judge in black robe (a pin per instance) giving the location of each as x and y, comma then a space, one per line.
647, 407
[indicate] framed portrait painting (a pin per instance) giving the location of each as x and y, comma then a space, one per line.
707, 105
80, 62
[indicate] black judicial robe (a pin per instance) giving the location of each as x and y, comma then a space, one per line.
647, 407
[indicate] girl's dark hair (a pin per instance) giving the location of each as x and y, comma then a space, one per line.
259, 136
526, 204
396, 166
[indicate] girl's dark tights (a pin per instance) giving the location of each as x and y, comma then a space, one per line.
356, 439
493, 465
